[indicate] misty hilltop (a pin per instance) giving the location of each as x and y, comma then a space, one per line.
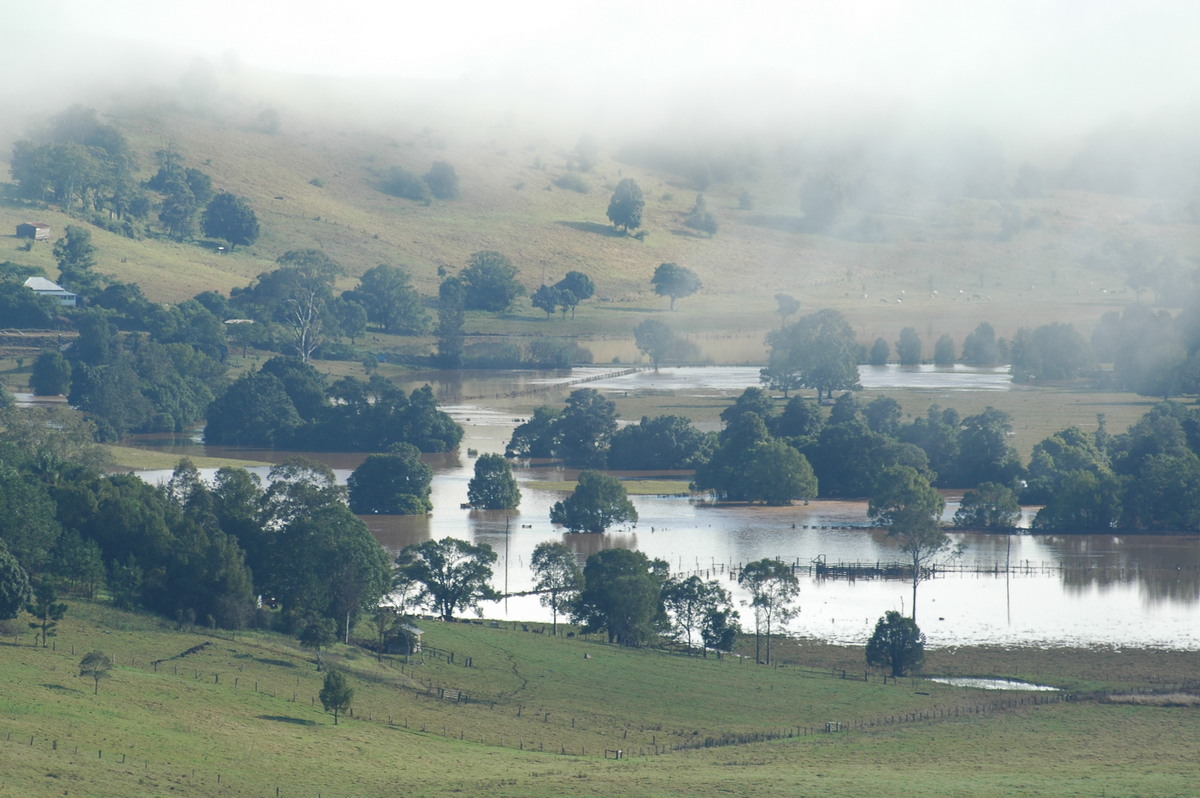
888, 217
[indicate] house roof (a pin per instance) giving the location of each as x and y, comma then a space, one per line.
42, 284
35, 224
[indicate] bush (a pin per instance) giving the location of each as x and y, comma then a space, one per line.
573, 181
402, 183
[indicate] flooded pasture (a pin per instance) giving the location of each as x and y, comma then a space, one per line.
1079, 590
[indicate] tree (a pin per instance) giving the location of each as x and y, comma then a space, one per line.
230, 218
773, 587
622, 594
654, 339
537, 437
660, 443
399, 182
720, 631
317, 634
76, 258
980, 347
984, 453
490, 282
943, 351
988, 506
692, 603
675, 281
1051, 352
777, 473
598, 502
453, 574
396, 483
878, 356
823, 196
908, 348
14, 585
95, 665
701, 218
897, 643
576, 287
583, 431
556, 577
493, 486
786, 305
51, 375
336, 694
547, 298
911, 509
179, 207
451, 302
390, 300
442, 180
328, 563
818, 351
625, 207
46, 608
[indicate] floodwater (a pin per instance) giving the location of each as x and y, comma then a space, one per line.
1080, 590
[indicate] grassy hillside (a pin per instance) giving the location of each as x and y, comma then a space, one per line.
1048, 270
236, 715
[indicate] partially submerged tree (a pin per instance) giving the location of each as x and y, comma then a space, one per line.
598, 502
897, 644
773, 588
904, 502
493, 486
988, 506
396, 483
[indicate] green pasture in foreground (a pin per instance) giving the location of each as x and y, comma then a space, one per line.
237, 717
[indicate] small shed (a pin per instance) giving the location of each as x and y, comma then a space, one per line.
38, 231
42, 286
405, 639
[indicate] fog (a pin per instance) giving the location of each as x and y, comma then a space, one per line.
1027, 72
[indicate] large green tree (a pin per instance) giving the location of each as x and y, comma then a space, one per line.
76, 257
585, 428
622, 594
493, 486
490, 282
988, 506
46, 609
817, 351
598, 502
897, 644
390, 300
454, 575
229, 217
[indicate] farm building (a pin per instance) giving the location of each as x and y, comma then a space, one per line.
38, 231
404, 639
40, 285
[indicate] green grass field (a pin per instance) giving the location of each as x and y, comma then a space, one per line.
239, 718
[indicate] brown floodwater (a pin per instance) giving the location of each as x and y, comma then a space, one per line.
1099, 589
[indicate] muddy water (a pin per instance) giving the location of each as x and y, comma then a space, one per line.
1076, 590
